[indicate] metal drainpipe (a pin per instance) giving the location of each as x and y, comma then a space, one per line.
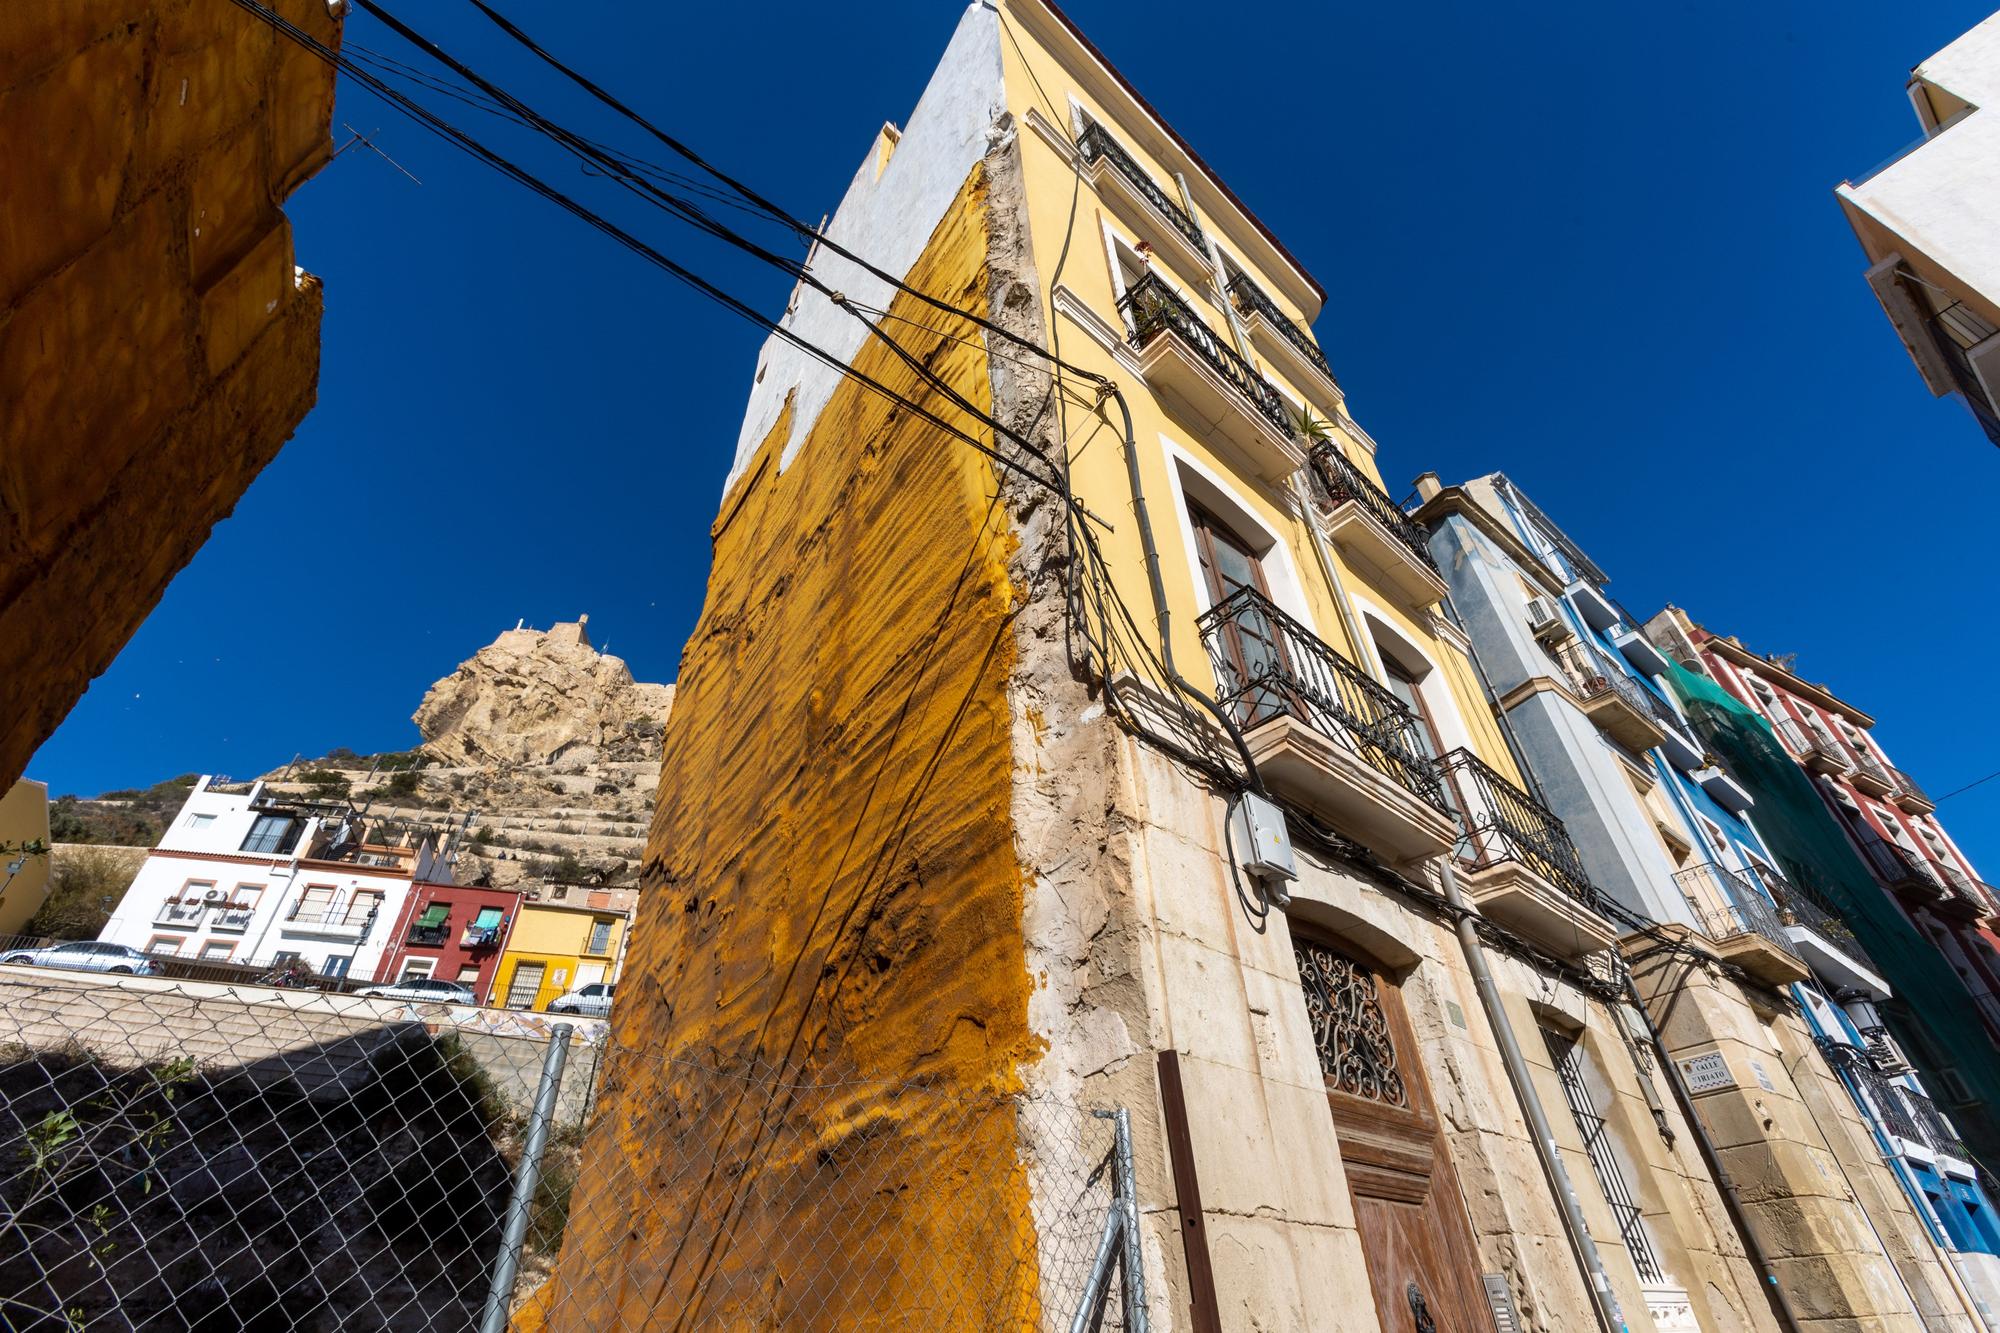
1602, 1299
1781, 1304
1299, 488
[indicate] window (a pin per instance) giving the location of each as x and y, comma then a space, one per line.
600, 937
1567, 1056
488, 918
362, 906
165, 946
1252, 649
314, 902
416, 969
525, 985
217, 952
200, 821
336, 965
273, 834
1403, 684
469, 974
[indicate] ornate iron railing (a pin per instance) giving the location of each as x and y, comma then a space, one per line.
1731, 905
1937, 1130
1965, 889
1591, 675
1340, 481
1252, 300
1349, 1025
1096, 143
1897, 868
175, 912
1797, 906
1156, 310
1907, 786
1890, 1108
1498, 821
1868, 766
1268, 664
429, 937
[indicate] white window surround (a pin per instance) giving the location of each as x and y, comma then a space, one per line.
1433, 686
1191, 479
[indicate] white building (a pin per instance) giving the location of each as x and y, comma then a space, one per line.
1929, 220
249, 877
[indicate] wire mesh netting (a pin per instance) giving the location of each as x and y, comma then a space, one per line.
183, 1157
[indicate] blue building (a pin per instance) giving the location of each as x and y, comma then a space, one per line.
1759, 994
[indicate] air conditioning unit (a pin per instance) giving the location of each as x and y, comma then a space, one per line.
213, 896
1545, 622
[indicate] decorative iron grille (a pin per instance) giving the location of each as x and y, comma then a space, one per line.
1155, 309
1591, 674
1251, 300
1731, 905
1890, 1108
1340, 481
1268, 664
1095, 143
1604, 1163
1813, 742
1499, 822
1937, 1130
1898, 869
1350, 1027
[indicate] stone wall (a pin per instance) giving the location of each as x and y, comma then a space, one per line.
157, 345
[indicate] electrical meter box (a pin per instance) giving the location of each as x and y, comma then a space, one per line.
1262, 844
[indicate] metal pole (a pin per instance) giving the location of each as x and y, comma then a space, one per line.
525, 1179
1128, 1202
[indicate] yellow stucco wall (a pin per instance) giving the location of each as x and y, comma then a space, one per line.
559, 939
831, 890
24, 817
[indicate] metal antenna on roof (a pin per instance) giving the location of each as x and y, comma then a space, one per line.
369, 144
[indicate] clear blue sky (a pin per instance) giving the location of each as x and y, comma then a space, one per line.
1594, 246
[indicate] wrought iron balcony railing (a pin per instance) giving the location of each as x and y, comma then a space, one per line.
1269, 665
429, 937
1591, 675
1251, 300
1938, 1131
1798, 907
1813, 743
351, 921
1909, 793
1096, 143
1966, 889
1497, 821
236, 916
1729, 905
1867, 766
1887, 1098
176, 912
1156, 310
1898, 869
1339, 481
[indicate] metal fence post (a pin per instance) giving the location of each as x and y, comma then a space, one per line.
1128, 1200
515, 1232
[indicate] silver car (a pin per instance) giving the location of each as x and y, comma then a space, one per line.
87, 956
422, 990
592, 1001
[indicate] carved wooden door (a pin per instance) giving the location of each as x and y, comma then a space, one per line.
1421, 1260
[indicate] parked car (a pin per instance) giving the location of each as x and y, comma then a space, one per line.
423, 990
87, 956
592, 1001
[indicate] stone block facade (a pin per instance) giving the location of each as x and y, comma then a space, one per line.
157, 342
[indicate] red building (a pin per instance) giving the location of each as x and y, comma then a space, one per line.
453, 932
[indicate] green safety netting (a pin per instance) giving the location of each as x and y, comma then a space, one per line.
1815, 853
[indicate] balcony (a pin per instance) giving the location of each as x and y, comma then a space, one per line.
1361, 519
183, 914
1912, 798
429, 937
1639, 650
1280, 340
1971, 349
1901, 871
1724, 790
1147, 207
1823, 940
481, 937
340, 923
1891, 1111
1185, 361
1322, 733
1742, 924
234, 917
1619, 706
1814, 746
1517, 862
1965, 897
1871, 774
1598, 611
1937, 1130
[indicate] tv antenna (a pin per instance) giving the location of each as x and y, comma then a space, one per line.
370, 145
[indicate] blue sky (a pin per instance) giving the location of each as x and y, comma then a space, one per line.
1594, 246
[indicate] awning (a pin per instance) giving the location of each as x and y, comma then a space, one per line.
488, 918
435, 914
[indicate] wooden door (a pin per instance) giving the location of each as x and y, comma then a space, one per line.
1418, 1245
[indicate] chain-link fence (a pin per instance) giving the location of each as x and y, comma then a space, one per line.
175, 1156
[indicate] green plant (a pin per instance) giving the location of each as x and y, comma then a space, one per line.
403, 782
84, 884
1312, 428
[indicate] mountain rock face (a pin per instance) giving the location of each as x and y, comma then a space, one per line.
543, 698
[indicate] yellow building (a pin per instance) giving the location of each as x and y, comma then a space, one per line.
556, 948
1103, 739
24, 880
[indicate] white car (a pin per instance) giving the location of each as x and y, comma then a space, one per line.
87, 956
422, 990
592, 1001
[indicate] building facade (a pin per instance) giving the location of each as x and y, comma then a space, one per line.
1101, 734
556, 947
1929, 222
157, 338
1726, 952
245, 876
1895, 872
24, 877
454, 932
